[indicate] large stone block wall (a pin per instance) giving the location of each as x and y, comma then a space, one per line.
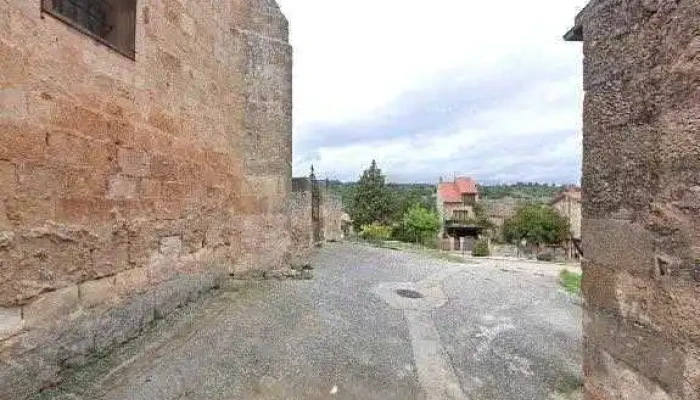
119, 176
641, 209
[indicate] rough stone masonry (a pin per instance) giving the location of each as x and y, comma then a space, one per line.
641, 182
130, 181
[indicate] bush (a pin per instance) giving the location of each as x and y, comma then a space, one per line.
537, 224
545, 257
419, 225
375, 232
481, 249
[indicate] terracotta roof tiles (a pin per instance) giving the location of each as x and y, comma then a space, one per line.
452, 192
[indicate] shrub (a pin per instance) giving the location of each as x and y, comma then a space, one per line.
418, 225
545, 257
537, 224
375, 232
481, 249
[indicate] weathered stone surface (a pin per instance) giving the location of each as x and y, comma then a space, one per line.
640, 179
51, 307
101, 169
101, 292
649, 352
10, 322
130, 282
599, 285
618, 244
124, 322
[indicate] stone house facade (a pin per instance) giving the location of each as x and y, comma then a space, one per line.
498, 211
568, 205
641, 198
455, 205
145, 150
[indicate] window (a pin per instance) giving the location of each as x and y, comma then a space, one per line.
112, 22
461, 215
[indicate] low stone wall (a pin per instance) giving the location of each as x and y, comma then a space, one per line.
74, 323
332, 209
299, 208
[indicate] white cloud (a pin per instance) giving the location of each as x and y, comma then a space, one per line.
356, 59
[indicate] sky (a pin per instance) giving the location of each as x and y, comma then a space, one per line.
437, 88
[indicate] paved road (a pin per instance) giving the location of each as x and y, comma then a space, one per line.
492, 330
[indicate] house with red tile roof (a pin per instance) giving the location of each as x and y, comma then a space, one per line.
455, 204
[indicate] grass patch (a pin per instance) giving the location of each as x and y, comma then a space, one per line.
570, 281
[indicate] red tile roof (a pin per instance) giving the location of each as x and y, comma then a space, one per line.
452, 192
466, 186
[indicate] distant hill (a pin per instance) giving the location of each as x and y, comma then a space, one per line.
540, 192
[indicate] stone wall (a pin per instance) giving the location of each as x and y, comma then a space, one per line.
307, 231
641, 191
332, 210
302, 228
122, 177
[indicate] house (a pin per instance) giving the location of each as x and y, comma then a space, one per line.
498, 211
456, 202
568, 204
145, 154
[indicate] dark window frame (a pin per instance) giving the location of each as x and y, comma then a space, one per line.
48, 9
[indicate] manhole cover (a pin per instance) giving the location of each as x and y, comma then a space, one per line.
411, 294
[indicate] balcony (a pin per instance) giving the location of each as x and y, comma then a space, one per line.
462, 228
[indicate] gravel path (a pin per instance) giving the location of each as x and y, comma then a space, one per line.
485, 330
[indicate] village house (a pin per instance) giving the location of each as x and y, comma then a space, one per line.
145, 153
568, 204
498, 211
456, 203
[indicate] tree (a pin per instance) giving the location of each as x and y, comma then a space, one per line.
419, 224
405, 198
538, 225
371, 200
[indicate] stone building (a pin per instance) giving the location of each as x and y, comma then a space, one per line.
455, 204
641, 203
145, 151
498, 211
568, 204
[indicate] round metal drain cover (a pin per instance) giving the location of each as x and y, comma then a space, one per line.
411, 294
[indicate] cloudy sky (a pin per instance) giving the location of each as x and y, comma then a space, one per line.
434, 88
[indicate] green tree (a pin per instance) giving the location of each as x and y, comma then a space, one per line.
538, 224
371, 200
419, 224
405, 198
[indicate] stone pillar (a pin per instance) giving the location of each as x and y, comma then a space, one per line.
641, 198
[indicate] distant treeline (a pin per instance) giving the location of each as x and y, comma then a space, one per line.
424, 193
520, 190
